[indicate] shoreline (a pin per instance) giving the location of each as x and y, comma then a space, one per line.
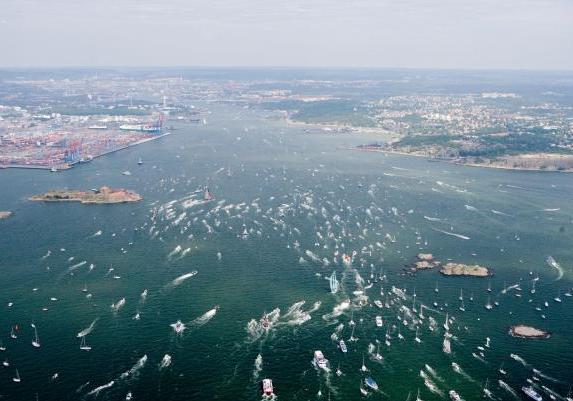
394, 152
68, 166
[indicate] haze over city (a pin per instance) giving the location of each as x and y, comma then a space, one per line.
488, 34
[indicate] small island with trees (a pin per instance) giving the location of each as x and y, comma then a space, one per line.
104, 195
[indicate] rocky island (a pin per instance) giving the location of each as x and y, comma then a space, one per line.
425, 261
459, 269
102, 195
5, 215
523, 331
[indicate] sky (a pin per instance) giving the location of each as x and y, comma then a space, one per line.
451, 34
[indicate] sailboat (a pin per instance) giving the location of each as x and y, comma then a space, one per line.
417, 339
17, 378
36, 341
488, 305
12, 334
461, 297
338, 371
489, 286
486, 390
446, 323
462, 306
558, 297
378, 355
418, 396
140, 162
2, 347
83, 345
363, 368
436, 289
333, 283
352, 338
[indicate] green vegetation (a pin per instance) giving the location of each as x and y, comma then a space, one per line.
345, 112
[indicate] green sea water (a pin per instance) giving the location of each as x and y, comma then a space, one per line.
515, 221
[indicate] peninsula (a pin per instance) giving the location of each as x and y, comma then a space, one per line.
102, 195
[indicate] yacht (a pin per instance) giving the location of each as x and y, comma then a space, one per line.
265, 322
140, 162
558, 297
2, 347
529, 391
268, 387
417, 339
369, 382
178, 327
454, 396
17, 378
343, 347
379, 321
446, 346
319, 360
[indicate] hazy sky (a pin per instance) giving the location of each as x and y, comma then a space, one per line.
519, 34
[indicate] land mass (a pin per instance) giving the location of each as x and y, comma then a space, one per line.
459, 269
103, 195
523, 331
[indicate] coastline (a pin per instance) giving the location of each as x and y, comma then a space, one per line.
68, 166
395, 152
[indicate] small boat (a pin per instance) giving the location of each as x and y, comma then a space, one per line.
343, 347
265, 322
531, 393
83, 345
207, 195
363, 391
319, 360
338, 371
558, 297
378, 303
2, 347
488, 306
454, 396
369, 382
486, 390
379, 321
502, 370
6, 363
178, 327
17, 378
140, 162
12, 333
446, 346
334, 285
128, 396
268, 387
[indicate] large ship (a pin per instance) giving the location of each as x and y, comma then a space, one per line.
532, 393
333, 283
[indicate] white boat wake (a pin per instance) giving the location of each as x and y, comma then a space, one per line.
201, 320
451, 234
182, 278
553, 263
165, 362
258, 366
